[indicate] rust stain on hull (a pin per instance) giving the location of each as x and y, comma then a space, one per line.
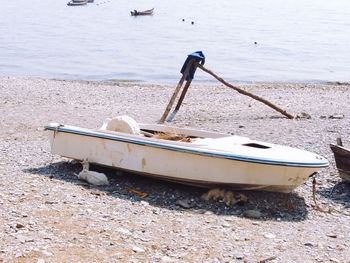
143, 162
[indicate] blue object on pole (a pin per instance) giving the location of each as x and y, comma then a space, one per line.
197, 56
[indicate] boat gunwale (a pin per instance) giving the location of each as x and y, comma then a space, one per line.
179, 148
339, 149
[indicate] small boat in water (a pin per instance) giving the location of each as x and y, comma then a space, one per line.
188, 156
142, 13
77, 2
342, 160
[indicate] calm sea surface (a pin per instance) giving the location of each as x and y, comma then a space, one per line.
297, 40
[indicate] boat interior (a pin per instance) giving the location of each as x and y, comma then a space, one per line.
178, 135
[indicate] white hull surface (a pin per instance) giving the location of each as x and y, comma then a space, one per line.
212, 159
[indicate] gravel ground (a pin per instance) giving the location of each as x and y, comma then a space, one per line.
47, 215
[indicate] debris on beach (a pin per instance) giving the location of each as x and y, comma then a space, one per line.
336, 116
303, 115
185, 203
137, 192
255, 214
226, 196
92, 177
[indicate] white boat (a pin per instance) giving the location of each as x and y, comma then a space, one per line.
206, 159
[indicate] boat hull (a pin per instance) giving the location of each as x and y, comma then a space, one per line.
342, 161
142, 13
194, 168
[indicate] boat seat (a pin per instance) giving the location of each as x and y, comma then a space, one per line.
223, 140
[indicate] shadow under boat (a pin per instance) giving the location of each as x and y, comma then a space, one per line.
273, 206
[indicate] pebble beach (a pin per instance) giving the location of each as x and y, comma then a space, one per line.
48, 215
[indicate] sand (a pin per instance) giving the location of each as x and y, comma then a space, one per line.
48, 215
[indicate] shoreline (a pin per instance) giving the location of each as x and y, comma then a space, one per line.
46, 213
195, 81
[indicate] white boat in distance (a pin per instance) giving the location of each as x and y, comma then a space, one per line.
200, 158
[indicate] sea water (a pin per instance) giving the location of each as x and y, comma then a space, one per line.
243, 40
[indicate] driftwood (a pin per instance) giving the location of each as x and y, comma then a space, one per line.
266, 102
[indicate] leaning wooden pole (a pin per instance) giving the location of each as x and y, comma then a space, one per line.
178, 105
176, 92
172, 100
266, 102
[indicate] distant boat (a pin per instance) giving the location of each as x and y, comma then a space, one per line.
142, 13
342, 160
78, 2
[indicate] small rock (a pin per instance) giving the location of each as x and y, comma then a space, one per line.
137, 249
124, 231
166, 259
304, 115
19, 225
208, 213
18, 254
47, 253
144, 203
185, 203
334, 260
21, 238
332, 235
252, 214
269, 236
226, 224
145, 239
308, 244
336, 116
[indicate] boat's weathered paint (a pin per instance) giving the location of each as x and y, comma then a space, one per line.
207, 162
